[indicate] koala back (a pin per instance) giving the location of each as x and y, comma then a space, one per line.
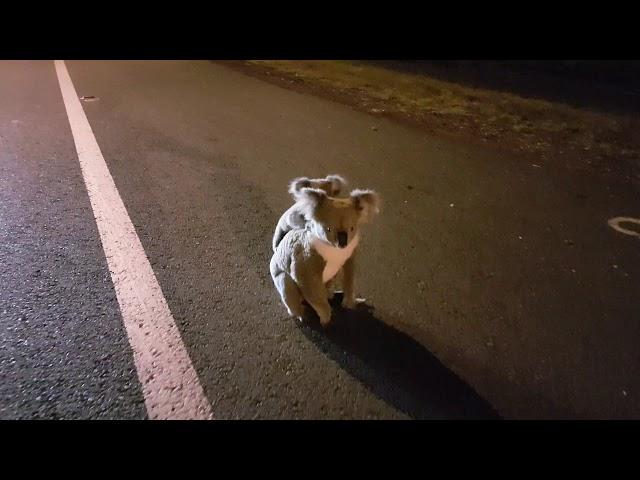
296, 255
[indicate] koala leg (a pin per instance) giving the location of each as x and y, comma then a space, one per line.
348, 273
315, 293
287, 288
289, 293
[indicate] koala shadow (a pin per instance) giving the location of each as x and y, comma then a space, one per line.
394, 366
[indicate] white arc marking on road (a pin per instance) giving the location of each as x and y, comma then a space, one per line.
615, 224
169, 382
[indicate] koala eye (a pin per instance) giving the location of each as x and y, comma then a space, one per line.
352, 229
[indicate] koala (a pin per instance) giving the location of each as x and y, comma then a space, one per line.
308, 258
332, 185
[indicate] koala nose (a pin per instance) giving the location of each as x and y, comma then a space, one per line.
342, 239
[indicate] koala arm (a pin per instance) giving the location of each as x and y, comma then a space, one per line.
348, 274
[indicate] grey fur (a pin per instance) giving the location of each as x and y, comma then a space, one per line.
293, 217
297, 268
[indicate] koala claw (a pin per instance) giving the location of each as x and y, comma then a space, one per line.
353, 302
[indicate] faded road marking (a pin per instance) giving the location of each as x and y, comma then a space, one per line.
169, 382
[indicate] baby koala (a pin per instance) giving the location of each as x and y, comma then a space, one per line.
332, 185
306, 260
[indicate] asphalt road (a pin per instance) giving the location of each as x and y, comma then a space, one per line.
495, 285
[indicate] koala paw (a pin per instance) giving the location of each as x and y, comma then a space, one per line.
349, 302
325, 322
352, 301
297, 316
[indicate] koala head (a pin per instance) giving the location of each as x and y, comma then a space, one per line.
332, 185
337, 220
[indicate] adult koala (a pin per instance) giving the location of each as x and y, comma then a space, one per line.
307, 259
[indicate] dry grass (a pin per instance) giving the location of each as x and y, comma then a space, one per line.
532, 125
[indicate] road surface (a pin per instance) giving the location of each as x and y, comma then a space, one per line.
497, 286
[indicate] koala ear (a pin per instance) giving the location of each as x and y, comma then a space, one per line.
311, 198
366, 202
298, 184
337, 184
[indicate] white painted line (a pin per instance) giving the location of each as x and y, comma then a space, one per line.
169, 382
615, 224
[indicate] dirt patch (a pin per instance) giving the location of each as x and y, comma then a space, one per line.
549, 131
